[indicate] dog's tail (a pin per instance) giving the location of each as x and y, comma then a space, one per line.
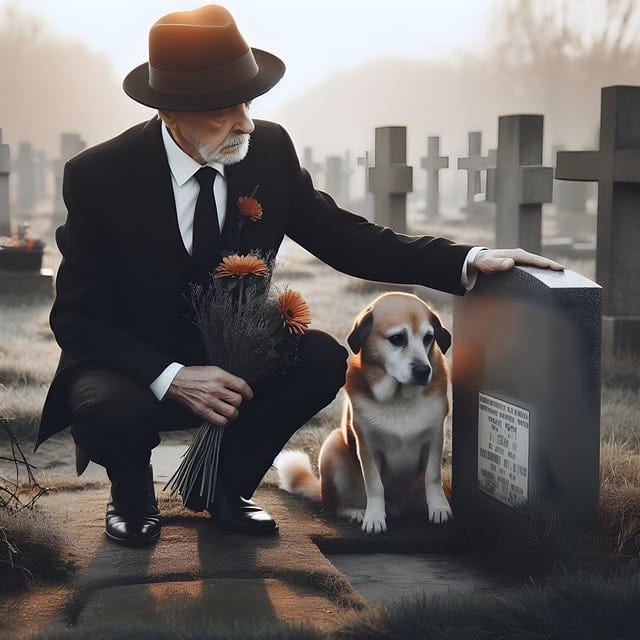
296, 475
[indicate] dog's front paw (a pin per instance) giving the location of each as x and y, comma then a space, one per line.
352, 513
440, 514
374, 521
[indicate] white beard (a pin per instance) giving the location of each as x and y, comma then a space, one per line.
232, 150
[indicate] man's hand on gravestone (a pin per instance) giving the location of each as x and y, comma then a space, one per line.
210, 392
492, 260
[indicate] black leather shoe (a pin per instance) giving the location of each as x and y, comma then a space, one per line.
232, 511
132, 515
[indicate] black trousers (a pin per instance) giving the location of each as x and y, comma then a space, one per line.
117, 421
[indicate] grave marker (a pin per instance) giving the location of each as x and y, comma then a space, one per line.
433, 162
25, 167
616, 168
337, 180
519, 184
391, 179
364, 161
526, 396
5, 170
314, 168
570, 203
70, 145
474, 164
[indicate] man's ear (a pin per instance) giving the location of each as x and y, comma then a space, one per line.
167, 117
361, 330
443, 337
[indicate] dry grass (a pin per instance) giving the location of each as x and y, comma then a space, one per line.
28, 356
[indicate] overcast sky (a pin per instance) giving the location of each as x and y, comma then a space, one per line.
315, 39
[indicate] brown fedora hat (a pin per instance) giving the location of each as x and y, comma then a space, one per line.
198, 61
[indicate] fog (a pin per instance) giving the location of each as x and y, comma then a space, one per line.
536, 63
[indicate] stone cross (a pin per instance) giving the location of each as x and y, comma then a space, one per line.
41, 174
25, 166
70, 145
616, 169
519, 184
570, 204
337, 179
391, 179
474, 164
365, 161
526, 397
314, 168
433, 162
5, 170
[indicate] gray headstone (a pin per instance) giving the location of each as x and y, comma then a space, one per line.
5, 170
25, 168
337, 179
526, 397
365, 161
433, 162
616, 168
570, 204
42, 167
474, 164
391, 179
314, 168
70, 145
520, 184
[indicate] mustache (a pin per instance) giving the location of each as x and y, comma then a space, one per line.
234, 140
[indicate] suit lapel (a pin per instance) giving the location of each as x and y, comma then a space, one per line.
159, 205
241, 177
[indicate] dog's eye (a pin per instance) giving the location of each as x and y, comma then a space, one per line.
427, 339
398, 339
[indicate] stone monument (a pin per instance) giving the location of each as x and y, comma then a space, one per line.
391, 179
474, 164
519, 184
5, 170
616, 168
433, 162
526, 397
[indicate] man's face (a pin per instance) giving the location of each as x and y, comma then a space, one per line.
218, 135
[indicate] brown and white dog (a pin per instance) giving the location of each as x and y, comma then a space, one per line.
386, 456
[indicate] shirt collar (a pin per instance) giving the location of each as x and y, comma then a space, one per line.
182, 165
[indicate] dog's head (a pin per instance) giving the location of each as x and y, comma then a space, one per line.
399, 331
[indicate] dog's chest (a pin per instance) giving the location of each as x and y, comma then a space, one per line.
405, 423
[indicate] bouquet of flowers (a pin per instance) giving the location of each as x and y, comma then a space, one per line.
246, 329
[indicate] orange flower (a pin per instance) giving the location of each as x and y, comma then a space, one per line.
239, 266
250, 208
296, 315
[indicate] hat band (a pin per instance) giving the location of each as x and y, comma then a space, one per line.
205, 81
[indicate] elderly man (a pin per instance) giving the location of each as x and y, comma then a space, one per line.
150, 211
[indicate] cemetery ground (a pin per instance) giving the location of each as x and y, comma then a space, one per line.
60, 579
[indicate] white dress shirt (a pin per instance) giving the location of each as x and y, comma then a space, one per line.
185, 190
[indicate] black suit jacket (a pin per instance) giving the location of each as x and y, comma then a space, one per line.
118, 286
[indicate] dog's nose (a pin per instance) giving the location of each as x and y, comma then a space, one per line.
420, 373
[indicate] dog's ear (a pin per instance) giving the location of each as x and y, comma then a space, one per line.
443, 337
361, 330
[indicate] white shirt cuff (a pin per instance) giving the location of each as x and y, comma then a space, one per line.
161, 384
470, 274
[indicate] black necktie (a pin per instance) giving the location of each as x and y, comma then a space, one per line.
206, 248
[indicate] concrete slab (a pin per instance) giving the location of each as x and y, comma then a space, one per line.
389, 576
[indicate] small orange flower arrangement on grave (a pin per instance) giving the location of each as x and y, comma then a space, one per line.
246, 329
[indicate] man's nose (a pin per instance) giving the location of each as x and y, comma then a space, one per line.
244, 123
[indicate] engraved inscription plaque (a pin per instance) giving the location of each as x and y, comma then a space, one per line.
503, 450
